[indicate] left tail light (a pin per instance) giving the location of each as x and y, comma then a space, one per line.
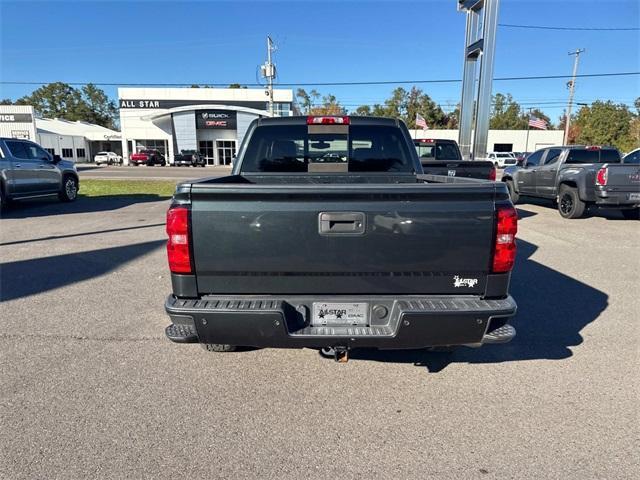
178, 245
504, 250
492, 173
602, 176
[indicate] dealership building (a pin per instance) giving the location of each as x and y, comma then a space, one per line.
77, 141
212, 121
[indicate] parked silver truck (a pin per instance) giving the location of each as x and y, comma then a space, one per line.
27, 170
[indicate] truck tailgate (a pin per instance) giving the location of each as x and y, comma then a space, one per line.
623, 177
342, 239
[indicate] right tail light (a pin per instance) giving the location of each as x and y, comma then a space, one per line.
504, 249
178, 245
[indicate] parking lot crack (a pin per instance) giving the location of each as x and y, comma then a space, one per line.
9, 336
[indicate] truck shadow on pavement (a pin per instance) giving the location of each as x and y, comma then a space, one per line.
47, 207
553, 308
609, 214
29, 277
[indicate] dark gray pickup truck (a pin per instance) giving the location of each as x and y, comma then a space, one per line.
576, 177
327, 235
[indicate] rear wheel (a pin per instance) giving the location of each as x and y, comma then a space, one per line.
3, 199
218, 347
632, 214
569, 203
69, 190
515, 196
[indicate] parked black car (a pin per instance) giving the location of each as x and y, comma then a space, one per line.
442, 157
188, 158
576, 177
27, 170
362, 251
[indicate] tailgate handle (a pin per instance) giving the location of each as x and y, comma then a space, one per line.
341, 223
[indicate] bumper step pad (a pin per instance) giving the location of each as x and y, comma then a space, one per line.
181, 333
503, 334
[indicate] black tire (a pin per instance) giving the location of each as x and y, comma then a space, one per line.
515, 196
569, 203
163, 163
218, 347
631, 214
4, 202
69, 190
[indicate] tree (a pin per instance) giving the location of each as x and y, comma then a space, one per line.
6, 101
506, 114
61, 100
330, 106
606, 123
305, 100
97, 107
363, 111
405, 104
236, 85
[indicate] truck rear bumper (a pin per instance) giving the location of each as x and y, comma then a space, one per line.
613, 199
410, 322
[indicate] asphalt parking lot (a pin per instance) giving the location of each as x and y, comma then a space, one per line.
91, 388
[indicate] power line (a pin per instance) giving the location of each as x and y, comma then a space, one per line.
336, 84
586, 29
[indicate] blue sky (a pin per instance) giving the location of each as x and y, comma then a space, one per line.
224, 42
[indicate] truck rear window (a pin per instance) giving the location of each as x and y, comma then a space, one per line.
357, 148
439, 151
608, 155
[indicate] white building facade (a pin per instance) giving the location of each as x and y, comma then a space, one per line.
212, 121
503, 140
77, 141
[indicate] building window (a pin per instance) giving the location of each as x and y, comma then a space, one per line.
281, 109
503, 147
206, 150
80, 152
160, 145
226, 151
52, 151
67, 152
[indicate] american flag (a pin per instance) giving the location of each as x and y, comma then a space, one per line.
421, 122
537, 123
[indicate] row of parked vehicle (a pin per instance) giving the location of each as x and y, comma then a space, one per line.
151, 157
573, 177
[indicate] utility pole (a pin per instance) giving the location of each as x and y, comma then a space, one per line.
526, 147
572, 87
269, 72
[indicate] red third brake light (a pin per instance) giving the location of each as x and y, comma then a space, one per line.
178, 243
602, 176
330, 120
504, 252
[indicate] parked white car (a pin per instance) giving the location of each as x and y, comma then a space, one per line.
501, 159
109, 158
